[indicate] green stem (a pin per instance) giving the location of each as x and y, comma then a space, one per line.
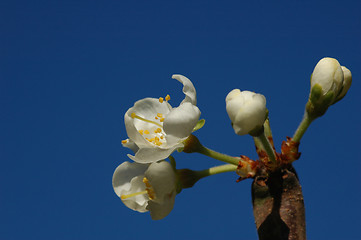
305, 123
267, 146
215, 170
267, 133
219, 156
187, 178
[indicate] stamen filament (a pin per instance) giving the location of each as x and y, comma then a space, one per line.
133, 115
133, 194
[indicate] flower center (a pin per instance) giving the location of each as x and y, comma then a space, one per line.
148, 190
153, 134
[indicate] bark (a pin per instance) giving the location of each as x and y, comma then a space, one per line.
278, 206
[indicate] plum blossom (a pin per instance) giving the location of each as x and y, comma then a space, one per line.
146, 187
328, 76
247, 110
156, 129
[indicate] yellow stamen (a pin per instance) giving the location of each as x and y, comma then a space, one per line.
149, 189
167, 98
161, 100
133, 194
159, 115
157, 142
161, 120
146, 132
141, 132
133, 115
158, 130
124, 141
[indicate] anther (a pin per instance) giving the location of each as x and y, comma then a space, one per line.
124, 141
167, 98
149, 189
161, 100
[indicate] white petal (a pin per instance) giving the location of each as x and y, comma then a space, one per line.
159, 211
162, 178
188, 89
346, 82
148, 155
131, 145
139, 202
124, 173
180, 121
127, 179
234, 100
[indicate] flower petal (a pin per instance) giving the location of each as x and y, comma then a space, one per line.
148, 155
162, 178
161, 210
124, 173
127, 178
130, 144
138, 202
179, 123
188, 89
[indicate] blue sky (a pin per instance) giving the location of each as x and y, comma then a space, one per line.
69, 70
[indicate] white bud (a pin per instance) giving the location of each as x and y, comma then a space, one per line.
247, 110
328, 74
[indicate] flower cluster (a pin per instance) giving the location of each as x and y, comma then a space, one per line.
155, 130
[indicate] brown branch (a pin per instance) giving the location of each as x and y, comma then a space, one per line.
278, 205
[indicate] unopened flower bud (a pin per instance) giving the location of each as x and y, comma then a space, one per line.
327, 82
247, 111
328, 76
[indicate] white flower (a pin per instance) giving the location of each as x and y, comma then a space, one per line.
155, 129
247, 110
146, 187
328, 75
